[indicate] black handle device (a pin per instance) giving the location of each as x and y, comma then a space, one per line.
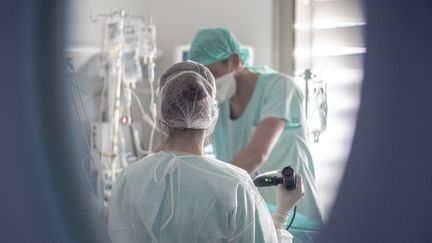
274, 178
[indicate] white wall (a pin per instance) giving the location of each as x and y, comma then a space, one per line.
178, 20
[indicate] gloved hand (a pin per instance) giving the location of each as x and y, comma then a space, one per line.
286, 200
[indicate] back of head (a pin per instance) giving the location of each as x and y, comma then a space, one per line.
214, 45
187, 94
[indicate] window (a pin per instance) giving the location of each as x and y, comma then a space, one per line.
329, 40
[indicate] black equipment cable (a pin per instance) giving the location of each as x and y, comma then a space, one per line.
292, 219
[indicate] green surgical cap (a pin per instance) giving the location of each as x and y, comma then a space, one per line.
215, 45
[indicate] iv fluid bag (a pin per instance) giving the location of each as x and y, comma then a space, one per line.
113, 35
131, 64
148, 41
316, 107
132, 34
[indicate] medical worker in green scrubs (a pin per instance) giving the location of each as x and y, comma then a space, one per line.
177, 194
261, 125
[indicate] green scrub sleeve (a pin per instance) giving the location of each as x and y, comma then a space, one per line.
284, 100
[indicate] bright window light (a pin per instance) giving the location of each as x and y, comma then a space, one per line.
326, 25
328, 51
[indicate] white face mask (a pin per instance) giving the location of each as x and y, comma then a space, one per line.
225, 87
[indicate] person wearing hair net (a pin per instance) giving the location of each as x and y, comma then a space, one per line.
261, 125
177, 194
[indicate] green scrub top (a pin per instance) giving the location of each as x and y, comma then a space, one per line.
275, 96
176, 197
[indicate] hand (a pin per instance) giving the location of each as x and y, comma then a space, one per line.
286, 200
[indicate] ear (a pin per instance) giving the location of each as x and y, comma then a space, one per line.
236, 61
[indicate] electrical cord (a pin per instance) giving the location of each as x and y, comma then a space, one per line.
152, 107
145, 116
292, 219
